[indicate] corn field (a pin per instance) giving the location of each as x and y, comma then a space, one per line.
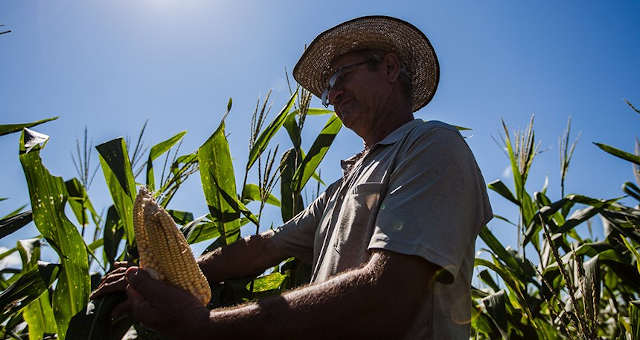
570, 287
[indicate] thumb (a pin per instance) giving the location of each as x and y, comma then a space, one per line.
146, 287
139, 279
134, 275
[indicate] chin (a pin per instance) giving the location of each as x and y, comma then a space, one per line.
344, 118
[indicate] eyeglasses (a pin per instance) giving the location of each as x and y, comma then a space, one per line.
336, 76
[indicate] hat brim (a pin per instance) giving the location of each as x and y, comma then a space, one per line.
372, 32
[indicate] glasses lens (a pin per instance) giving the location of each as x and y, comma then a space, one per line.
325, 97
332, 82
334, 78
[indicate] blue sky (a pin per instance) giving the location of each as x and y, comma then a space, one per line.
110, 65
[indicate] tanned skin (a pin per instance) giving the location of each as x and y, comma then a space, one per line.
374, 301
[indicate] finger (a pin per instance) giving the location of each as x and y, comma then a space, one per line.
114, 273
121, 264
115, 283
151, 289
113, 277
142, 282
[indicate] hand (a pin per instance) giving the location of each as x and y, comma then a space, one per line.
162, 307
114, 282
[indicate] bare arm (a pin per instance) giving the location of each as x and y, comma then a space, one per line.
386, 293
247, 256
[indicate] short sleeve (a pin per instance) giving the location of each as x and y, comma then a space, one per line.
296, 237
436, 202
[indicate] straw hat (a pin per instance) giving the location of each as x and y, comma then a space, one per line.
372, 32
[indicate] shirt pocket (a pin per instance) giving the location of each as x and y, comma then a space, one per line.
357, 215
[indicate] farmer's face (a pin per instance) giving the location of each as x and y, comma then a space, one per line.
359, 94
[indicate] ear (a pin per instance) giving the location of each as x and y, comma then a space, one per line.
391, 64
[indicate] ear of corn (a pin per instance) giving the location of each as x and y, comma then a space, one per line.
163, 250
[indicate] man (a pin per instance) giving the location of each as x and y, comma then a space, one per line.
391, 243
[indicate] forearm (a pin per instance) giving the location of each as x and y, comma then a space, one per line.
345, 306
248, 256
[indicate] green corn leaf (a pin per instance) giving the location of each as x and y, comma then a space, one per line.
216, 171
39, 317
96, 244
619, 153
38, 314
203, 229
578, 217
29, 252
267, 282
523, 270
313, 111
80, 203
462, 128
542, 200
119, 177
634, 321
517, 177
527, 208
11, 128
623, 219
293, 130
631, 190
180, 217
499, 187
15, 212
14, 327
504, 273
582, 215
488, 280
591, 296
477, 293
317, 152
504, 219
157, 151
609, 257
94, 321
180, 169
481, 323
496, 309
631, 106
290, 200
48, 199
11, 224
315, 175
236, 204
7, 253
113, 232
634, 251
27, 288
251, 192
200, 230
291, 124
268, 133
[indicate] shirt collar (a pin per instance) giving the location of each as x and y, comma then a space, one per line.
391, 138
398, 133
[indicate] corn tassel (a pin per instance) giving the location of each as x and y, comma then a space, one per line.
164, 252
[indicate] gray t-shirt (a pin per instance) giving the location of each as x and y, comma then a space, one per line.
417, 192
